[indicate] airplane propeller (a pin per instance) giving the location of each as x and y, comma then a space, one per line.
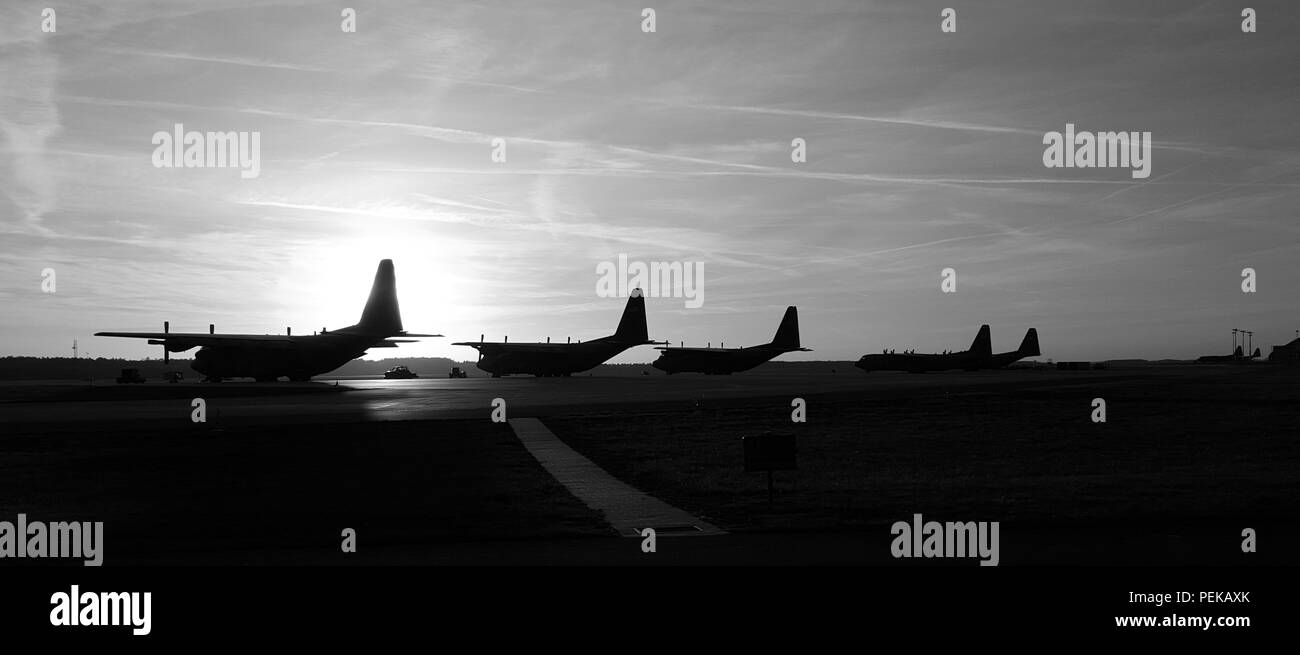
163, 341
167, 355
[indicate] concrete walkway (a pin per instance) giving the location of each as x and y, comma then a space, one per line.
623, 507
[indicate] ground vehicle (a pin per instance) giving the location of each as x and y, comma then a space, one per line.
173, 376
130, 376
456, 372
399, 373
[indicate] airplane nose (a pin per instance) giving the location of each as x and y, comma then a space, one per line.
202, 361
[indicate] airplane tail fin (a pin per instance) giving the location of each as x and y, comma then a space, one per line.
1029, 347
983, 343
381, 315
632, 327
1237, 352
787, 335
1257, 354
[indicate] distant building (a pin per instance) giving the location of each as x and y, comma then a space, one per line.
1288, 354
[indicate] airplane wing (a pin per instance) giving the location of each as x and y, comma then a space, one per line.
690, 349
178, 341
495, 347
680, 349
197, 336
206, 339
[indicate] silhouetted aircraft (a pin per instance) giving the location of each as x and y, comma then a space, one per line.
1236, 356
268, 357
980, 355
721, 361
564, 359
1028, 348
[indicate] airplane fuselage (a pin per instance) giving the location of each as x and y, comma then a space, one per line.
1002, 360
547, 359
715, 361
297, 359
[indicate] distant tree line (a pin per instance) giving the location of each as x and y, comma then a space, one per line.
99, 368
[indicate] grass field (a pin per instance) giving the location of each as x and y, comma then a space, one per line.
1189, 449
184, 494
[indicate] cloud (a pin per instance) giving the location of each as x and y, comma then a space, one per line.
29, 118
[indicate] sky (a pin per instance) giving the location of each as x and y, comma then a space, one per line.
924, 151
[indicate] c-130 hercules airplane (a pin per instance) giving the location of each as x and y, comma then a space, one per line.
564, 359
979, 356
721, 361
268, 357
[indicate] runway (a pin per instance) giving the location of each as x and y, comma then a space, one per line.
250, 403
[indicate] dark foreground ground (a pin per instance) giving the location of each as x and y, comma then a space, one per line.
1179, 468
1028, 454
1184, 462
273, 495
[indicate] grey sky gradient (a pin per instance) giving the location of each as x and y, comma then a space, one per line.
924, 152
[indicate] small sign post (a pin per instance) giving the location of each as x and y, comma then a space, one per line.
770, 452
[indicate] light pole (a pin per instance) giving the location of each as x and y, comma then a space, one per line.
1234, 340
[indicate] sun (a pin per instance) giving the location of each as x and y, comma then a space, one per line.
328, 282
